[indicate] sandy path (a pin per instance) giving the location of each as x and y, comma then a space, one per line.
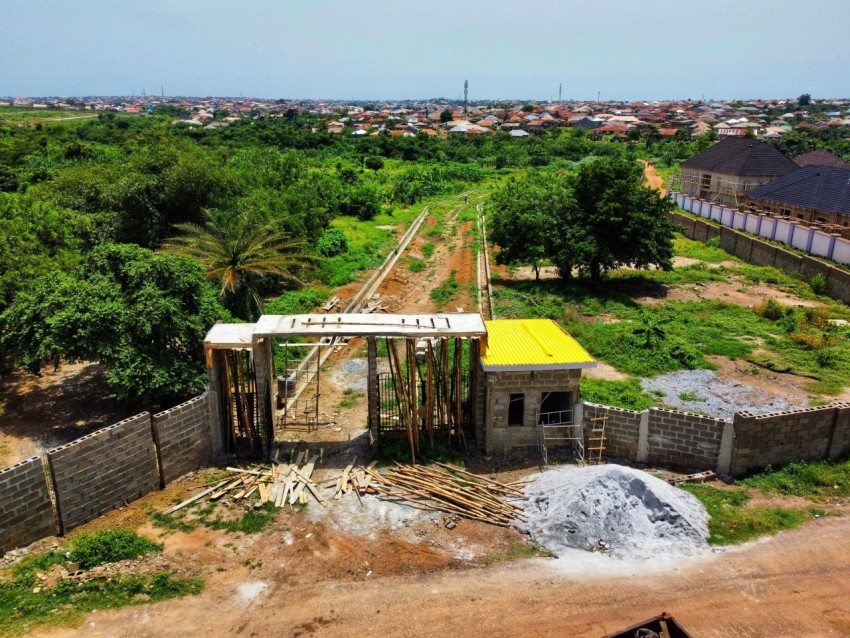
794, 584
653, 179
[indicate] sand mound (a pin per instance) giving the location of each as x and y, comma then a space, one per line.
615, 509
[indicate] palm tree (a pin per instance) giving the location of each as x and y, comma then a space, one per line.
237, 252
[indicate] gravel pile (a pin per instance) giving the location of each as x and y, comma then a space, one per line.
614, 509
715, 395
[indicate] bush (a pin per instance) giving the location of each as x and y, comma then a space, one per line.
769, 309
818, 284
373, 163
827, 357
332, 242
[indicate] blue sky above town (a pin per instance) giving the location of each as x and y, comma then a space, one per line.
389, 49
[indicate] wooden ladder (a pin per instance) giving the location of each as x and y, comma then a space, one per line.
596, 438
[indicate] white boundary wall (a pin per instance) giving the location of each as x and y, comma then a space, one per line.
790, 233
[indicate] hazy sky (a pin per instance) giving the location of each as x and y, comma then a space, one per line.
383, 49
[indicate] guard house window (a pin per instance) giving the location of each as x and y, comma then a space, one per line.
516, 410
555, 409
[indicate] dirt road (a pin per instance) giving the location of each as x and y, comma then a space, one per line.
793, 585
653, 179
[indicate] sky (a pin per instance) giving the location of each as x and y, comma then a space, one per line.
394, 49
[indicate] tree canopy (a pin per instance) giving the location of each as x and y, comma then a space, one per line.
237, 252
142, 315
598, 219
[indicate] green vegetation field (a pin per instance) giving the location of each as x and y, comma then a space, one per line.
644, 340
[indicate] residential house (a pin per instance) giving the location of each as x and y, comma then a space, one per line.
818, 195
731, 168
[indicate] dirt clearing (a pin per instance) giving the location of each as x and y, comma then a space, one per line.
740, 592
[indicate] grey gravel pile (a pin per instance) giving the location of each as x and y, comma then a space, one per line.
715, 395
615, 509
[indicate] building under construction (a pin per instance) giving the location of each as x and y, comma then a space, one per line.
433, 379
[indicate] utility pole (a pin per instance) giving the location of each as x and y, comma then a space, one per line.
560, 86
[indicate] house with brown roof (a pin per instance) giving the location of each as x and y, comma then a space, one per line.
821, 158
817, 195
732, 167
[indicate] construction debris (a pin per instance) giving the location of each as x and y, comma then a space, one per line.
450, 490
455, 492
699, 477
286, 483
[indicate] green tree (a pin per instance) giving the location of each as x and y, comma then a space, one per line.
805, 99
142, 315
613, 220
520, 219
239, 253
446, 116
37, 239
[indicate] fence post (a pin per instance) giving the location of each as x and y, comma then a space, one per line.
643, 438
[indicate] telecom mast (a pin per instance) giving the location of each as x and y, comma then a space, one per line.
465, 91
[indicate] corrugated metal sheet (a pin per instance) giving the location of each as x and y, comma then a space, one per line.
528, 344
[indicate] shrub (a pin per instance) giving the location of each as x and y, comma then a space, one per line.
818, 284
818, 317
373, 163
827, 357
769, 309
332, 242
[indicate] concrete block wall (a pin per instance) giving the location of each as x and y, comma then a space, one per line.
26, 511
103, 470
781, 437
839, 445
622, 430
684, 440
499, 437
182, 436
758, 251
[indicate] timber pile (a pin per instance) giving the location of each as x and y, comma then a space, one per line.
284, 483
451, 490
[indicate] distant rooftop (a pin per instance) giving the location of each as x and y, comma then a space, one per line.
742, 157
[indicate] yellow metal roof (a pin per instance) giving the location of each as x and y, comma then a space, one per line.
532, 344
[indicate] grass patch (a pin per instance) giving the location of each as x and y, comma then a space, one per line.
709, 252
251, 521
25, 604
809, 479
624, 394
517, 551
428, 249
416, 265
733, 522
446, 291
350, 398
690, 395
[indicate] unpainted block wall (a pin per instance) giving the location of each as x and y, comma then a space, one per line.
622, 430
761, 253
26, 513
182, 436
840, 443
782, 437
684, 440
499, 437
103, 470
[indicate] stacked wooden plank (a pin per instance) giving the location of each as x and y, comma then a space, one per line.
451, 490
286, 483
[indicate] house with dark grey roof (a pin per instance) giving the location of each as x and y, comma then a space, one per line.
821, 158
732, 167
817, 195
